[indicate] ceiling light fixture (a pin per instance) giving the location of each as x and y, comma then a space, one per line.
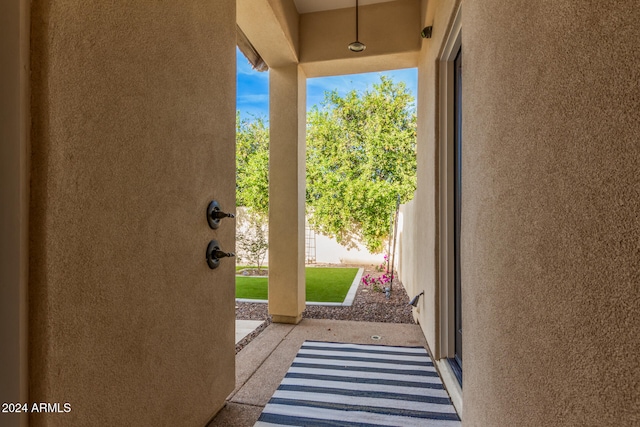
356, 46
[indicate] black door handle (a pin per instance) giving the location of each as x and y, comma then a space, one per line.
215, 214
214, 254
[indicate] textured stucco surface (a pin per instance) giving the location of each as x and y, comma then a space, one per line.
272, 28
133, 134
14, 203
419, 263
551, 202
287, 86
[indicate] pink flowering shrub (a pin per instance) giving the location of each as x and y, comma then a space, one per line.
383, 266
378, 283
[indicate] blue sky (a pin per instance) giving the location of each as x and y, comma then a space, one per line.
253, 87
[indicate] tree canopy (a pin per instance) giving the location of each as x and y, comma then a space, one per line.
361, 154
252, 164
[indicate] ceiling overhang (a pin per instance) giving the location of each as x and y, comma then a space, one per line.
271, 27
310, 6
318, 40
249, 51
390, 30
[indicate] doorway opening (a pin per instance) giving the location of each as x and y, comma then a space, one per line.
360, 143
456, 361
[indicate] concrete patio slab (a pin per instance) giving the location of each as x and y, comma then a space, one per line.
236, 415
262, 364
250, 358
245, 327
265, 380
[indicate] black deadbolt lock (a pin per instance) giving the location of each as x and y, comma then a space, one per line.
215, 214
214, 254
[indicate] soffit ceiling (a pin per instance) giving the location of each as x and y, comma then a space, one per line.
308, 6
272, 31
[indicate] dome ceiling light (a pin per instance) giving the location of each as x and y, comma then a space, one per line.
356, 46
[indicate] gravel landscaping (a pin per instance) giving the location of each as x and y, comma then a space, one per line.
368, 306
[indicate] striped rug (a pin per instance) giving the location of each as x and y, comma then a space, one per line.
335, 384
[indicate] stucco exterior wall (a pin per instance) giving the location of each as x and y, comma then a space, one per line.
420, 216
551, 195
550, 228
14, 204
133, 134
272, 28
287, 127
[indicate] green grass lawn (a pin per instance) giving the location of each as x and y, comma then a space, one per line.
324, 284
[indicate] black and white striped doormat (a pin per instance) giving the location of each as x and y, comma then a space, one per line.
334, 384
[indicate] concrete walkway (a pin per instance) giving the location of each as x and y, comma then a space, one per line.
245, 327
262, 364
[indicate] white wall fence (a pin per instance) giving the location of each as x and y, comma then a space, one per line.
407, 253
327, 250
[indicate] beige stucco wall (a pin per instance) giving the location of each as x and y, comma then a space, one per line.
286, 14
420, 216
14, 203
550, 201
287, 108
272, 28
551, 195
133, 134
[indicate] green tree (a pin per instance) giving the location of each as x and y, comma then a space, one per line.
361, 154
252, 165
